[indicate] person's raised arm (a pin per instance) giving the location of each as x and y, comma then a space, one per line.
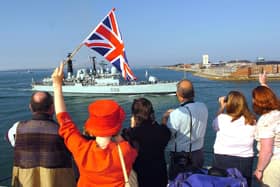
222, 101
57, 78
166, 116
263, 79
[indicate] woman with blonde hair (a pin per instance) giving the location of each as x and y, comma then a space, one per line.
235, 127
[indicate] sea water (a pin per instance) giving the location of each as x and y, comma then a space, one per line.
15, 91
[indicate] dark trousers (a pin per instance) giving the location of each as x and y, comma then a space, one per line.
243, 164
179, 162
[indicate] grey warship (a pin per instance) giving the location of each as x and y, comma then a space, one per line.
105, 81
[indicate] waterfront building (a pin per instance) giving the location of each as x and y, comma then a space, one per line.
260, 59
205, 60
233, 69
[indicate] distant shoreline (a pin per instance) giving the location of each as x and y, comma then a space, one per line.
199, 73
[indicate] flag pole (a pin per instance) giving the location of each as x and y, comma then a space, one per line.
80, 46
73, 53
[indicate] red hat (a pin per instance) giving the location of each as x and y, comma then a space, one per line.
105, 118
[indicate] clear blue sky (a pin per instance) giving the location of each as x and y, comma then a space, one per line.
38, 34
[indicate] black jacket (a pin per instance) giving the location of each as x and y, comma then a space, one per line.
150, 140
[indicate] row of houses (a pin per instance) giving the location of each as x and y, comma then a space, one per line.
234, 69
248, 69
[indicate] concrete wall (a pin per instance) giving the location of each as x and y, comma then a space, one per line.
257, 69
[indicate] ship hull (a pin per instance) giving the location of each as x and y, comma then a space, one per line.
156, 88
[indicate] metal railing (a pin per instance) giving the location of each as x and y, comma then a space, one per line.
207, 155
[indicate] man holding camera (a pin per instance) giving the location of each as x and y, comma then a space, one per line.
188, 124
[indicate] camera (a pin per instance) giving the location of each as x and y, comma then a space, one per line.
225, 99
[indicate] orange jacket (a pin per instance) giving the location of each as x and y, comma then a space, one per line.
97, 167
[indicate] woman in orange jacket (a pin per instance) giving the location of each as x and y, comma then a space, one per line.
98, 160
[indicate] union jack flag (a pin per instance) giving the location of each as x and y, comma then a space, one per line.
106, 40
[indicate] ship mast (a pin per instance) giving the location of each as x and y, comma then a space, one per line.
93, 64
69, 67
185, 71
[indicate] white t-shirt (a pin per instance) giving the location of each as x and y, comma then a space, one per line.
12, 134
233, 138
268, 126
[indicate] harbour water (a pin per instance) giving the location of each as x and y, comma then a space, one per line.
15, 91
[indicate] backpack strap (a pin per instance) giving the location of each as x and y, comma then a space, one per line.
191, 128
122, 164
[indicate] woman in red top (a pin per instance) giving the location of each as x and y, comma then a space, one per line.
98, 160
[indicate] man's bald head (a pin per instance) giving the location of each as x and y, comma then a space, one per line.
41, 102
185, 89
